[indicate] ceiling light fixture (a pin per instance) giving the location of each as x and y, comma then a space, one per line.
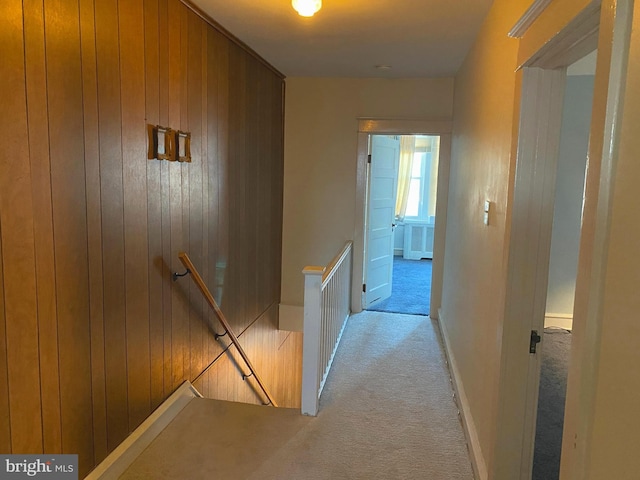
306, 8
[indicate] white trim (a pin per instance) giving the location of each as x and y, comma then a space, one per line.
469, 426
558, 315
357, 273
290, 317
577, 39
333, 354
617, 19
124, 455
311, 340
528, 17
558, 320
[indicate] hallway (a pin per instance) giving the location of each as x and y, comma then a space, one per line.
386, 412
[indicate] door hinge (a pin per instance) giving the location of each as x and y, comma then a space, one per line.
364, 287
534, 341
369, 158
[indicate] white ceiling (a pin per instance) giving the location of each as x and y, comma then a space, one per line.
348, 38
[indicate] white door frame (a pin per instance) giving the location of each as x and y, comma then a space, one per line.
609, 28
370, 126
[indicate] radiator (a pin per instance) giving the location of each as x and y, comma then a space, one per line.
418, 241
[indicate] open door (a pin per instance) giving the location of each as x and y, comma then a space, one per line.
606, 26
383, 184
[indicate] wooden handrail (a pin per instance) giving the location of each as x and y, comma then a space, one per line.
186, 261
337, 260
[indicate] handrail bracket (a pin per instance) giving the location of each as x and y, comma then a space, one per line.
195, 276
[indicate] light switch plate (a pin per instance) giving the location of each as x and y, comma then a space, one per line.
487, 205
486, 218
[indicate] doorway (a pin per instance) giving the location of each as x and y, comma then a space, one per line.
401, 208
367, 127
543, 62
563, 264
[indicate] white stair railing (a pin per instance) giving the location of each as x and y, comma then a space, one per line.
326, 310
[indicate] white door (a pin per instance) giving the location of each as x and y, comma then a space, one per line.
383, 183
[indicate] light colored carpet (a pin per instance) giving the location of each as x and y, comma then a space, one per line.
386, 413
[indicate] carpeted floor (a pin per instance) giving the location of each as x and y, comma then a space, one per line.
411, 289
553, 386
387, 412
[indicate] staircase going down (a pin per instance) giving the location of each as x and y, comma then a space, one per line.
386, 412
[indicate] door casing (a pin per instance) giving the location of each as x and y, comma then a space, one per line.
544, 61
366, 127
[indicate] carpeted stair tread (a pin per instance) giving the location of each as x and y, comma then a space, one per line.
217, 439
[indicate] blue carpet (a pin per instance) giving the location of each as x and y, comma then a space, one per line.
411, 289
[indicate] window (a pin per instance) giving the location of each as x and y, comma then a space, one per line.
421, 204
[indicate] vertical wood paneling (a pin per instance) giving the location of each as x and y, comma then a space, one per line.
277, 355
135, 210
194, 112
264, 192
94, 226
178, 303
16, 218
251, 192
90, 229
66, 114
111, 185
276, 168
165, 176
36, 78
186, 170
221, 113
237, 214
277, 171
154, 205
5, 424
212, 62
206, 254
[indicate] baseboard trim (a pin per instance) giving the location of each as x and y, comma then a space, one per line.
123, 456
469, 427
558, 320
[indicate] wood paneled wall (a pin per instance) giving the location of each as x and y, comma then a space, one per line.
93, 333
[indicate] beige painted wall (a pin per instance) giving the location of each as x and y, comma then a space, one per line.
481, 169
484, 144
320, 159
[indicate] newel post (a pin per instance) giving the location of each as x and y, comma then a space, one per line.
311, 339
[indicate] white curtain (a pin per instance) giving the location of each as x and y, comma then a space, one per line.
407, 150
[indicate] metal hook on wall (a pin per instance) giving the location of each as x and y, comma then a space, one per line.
219, 335
175, 275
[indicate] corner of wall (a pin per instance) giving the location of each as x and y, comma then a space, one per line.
291, 318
